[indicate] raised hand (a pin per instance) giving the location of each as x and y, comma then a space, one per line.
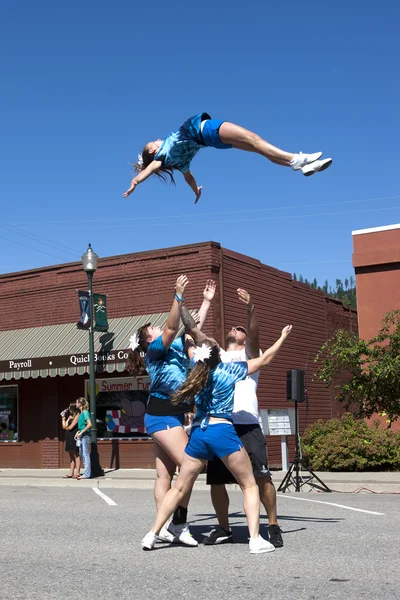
286, 330
245, 298
209, 290
180, 285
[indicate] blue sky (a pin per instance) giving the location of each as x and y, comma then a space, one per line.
85, 85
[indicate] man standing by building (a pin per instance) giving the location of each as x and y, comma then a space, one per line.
242, 344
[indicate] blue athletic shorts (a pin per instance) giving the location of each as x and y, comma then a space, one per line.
219, 439
210, 134
154, 424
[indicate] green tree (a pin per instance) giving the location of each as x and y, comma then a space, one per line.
294, 277
365, 374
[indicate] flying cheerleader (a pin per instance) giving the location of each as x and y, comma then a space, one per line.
176, 152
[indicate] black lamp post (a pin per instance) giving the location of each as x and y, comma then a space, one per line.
89, 261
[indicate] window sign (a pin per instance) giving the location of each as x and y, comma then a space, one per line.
120, 406
8, 413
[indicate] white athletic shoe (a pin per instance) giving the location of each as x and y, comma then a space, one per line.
300, 160
165, 535
259, 545
149, 541
182, 534
318, 165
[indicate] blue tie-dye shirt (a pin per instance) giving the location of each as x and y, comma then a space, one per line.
167, 368
179, 148
216, 398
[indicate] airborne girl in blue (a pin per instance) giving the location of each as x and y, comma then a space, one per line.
176, 152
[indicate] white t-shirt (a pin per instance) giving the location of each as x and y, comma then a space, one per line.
245, 407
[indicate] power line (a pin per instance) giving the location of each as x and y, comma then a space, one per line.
37, 238
275, 218
29, 247
169, 216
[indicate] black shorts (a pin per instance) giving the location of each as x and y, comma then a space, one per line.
253, 441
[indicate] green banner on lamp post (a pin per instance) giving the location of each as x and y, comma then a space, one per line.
100, 312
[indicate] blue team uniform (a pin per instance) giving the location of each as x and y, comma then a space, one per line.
216, 400
167, 369
180, 147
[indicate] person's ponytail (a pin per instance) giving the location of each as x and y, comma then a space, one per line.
135, 364
198, 376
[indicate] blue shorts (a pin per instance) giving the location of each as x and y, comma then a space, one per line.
219, 439
210, 134
154, 424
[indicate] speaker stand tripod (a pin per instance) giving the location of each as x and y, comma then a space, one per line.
294, 477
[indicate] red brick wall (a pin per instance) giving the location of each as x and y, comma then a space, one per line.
280, 301
144, 283
135, 283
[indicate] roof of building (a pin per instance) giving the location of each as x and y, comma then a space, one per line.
375, 229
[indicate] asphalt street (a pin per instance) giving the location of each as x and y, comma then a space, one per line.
70, 543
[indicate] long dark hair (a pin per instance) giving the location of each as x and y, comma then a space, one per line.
135, 363
163, 173
199, 376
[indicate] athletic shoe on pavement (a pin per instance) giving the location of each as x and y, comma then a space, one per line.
259, 545
165, 535
219, 535
182, 534
301, 160
275, 536
149, 540
318, 165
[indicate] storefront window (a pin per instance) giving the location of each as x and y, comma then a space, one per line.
9, 413
121, 404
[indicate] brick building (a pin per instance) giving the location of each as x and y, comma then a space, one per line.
44, 361
376, 260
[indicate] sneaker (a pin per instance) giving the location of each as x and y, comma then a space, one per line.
275, 536
259, 545
165, 535
149, 540
219, 535
301, 160
182, 534
318, 165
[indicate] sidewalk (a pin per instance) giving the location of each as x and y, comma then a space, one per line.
144, 479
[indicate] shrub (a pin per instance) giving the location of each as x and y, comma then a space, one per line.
349, 444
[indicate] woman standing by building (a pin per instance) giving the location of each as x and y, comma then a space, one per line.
83, 436
69, 422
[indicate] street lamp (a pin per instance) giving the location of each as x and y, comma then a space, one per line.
89, 261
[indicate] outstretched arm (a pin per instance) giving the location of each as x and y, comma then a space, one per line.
190, 326
208, 295
190, 180
143, 175
172, 325
257, 363
253, 333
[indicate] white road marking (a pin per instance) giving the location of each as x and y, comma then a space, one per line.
106, 498
370, 512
